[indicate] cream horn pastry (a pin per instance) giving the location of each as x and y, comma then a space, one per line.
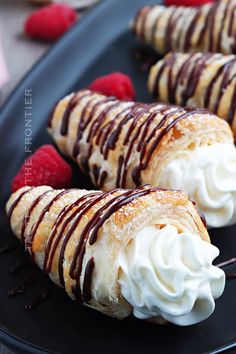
144, 252
127, 144
207, 28
197, 80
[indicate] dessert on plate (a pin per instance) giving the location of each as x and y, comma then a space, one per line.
127, 144
207, 28
144, 252
197, 80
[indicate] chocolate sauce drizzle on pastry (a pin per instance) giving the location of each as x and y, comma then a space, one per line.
16, 202
208, 28
186, 72
33, 231
145, 125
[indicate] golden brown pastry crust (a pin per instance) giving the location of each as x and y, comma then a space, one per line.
197, 80
76, 235
207, 28
126, 144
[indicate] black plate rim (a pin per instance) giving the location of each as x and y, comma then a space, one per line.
18, 343
11, 340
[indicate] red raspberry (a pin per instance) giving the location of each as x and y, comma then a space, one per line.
44, 167
50, 22
114, 84
186, 2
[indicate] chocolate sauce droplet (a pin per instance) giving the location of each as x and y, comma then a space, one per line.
20, 289
37, 300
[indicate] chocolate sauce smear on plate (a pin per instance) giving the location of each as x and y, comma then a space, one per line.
38, 299
20, 288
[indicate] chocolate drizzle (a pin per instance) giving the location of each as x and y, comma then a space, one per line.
90, 232
27, 217
143, 164
105, 122
66, 224
192, 25
46, 209
194, 76
19, 265
185, 29
82, 205
87, 295
232, 109
76, 264
224, 17
68, 221
231, 22
68, 111
83, 124
37, 300
16, 202
188, 76
171, 25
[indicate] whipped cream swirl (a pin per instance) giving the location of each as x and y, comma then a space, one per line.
167, 274
208, 175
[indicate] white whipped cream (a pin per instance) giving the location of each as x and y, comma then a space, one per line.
208, 175
171, 275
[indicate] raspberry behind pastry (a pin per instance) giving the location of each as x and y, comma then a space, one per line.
186, 2
45, 166
114, 84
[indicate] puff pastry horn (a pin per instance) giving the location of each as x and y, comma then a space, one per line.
207, 28
128, 144
197, 80
81, 239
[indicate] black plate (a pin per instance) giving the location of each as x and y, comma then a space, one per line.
99, 44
